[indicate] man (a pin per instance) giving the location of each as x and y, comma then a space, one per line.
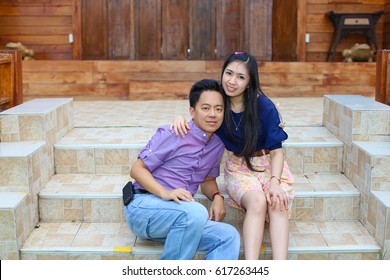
167, 174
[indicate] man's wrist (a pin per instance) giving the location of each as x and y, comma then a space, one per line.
217, 193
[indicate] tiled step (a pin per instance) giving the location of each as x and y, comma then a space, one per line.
113, 150
96, 241
98, 198
22, 171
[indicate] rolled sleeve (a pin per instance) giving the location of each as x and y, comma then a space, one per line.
158, 149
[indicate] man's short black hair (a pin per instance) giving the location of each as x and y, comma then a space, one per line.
199, 87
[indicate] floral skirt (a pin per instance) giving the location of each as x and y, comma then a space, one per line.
239, 179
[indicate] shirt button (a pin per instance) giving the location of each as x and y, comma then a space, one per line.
204, 135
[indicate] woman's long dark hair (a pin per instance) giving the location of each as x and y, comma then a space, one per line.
250, 105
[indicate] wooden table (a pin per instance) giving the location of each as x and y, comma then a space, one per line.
345, 24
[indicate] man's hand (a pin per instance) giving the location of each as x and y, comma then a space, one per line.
217, 209
177, 195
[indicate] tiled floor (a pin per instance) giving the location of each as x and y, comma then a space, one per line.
302, 111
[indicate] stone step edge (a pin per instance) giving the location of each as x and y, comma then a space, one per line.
20, 149
141, 250
140, 146
298, 194
37, 106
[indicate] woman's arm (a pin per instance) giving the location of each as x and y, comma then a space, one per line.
180, 125
276, 196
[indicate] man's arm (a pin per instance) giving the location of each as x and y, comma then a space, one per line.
217, 209
142, 175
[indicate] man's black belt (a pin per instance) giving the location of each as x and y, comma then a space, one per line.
140, 191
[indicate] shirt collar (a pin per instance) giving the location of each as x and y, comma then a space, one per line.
199, 132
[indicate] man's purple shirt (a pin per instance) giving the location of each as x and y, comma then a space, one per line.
177, 162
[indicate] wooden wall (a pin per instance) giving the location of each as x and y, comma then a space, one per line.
41, 25
99, 80
312, 20
44, 25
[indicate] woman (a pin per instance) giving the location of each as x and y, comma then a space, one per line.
257, 177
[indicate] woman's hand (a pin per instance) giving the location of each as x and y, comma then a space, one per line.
276, 196
180, 126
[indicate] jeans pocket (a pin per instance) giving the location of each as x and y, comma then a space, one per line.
139, 225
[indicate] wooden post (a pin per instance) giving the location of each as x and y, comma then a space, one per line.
382, 90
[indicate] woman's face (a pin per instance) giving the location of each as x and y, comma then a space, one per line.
235, 79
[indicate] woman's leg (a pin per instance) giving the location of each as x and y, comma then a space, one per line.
279, 232
256, 209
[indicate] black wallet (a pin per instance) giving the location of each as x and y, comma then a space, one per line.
128, 193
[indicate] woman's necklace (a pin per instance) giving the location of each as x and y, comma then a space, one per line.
239, 122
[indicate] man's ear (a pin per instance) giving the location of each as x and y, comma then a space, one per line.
192, 112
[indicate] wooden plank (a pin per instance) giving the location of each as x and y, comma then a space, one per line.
147, 29
35, 21
258, 29
65, 90
38, 40
301, 30
280, 67
41, 10
202, 30
363, 68
57, 66
35, 30
285, 79
229, 27
150, 66
175, 35
162, 87
94, 29
118, 29
53, 56
121, 77
59, 77
348, 79
51, 49
76, 29
284, 30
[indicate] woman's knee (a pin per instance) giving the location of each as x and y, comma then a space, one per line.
254, 201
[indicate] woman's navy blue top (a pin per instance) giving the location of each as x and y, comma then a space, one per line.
271, 135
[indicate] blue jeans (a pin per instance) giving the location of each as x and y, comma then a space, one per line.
184, 228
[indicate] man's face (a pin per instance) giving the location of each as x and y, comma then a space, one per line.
208, 112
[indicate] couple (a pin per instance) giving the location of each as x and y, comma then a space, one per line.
168, 171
